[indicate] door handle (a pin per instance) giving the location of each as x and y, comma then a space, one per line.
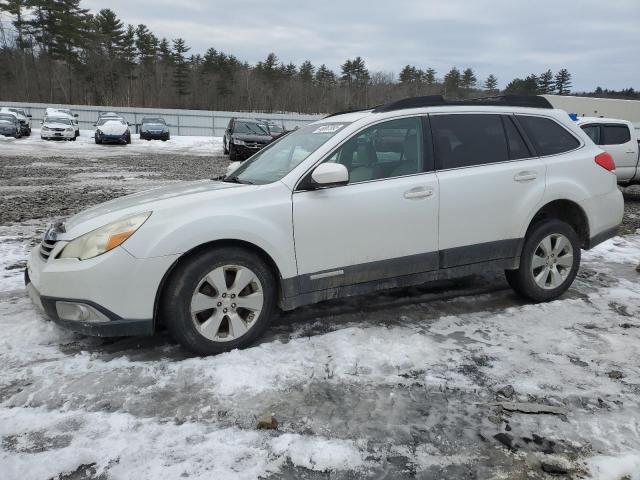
525, 176
418, 193
631, 151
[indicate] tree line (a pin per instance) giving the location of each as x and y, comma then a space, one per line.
56, 51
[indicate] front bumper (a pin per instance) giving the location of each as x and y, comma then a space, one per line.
154, 135
51, 135
245, 151
118, 290
113, 138
8, 133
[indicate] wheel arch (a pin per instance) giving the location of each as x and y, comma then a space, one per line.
221, 243
567, 211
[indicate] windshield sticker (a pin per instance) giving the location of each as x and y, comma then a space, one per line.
329, 128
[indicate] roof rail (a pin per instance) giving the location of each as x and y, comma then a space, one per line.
343, 112
532, 101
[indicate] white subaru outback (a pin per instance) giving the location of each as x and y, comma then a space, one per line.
408, 192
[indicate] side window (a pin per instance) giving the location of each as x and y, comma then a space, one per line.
388, 149
517, 147
616, 134
547, 135
594, 133
467, 140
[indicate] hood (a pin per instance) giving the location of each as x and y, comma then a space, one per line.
113, 128
147, 201
248, 137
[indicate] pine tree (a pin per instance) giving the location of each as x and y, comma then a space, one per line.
16, 8
306, 72
452, 81
325, 78
563, 82
181, 67
545, 82
430, 76
468, 79
407, 75
491, 84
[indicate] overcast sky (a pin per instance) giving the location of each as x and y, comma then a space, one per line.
598, 41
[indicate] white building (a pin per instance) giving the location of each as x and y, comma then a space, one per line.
598, 107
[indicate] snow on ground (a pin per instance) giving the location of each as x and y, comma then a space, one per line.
85, 145
361, 394
401, 384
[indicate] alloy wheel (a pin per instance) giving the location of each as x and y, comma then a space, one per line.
226, 303
552, 261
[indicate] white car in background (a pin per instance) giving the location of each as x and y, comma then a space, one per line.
619, 138
57, 112
58, 128
23, 117
412, 191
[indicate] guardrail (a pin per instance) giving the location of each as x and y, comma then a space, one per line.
182, 122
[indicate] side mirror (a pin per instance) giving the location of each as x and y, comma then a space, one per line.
30, 116
232, 167
95, 125
330, 175
42, 122
128, 124
75, 115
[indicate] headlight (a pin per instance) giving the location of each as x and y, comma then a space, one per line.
70, 129
237, 141
45, 129
103, 239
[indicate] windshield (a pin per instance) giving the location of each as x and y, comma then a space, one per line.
102, 121
276, 129
18, 111
153, 120
285, 154
251, 128
65, 121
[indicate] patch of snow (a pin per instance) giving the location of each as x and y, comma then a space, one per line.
624, 465
85, 145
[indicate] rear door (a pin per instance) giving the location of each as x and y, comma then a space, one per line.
489, 182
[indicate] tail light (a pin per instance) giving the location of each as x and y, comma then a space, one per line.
606, 161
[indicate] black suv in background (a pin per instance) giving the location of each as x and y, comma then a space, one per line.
244, 137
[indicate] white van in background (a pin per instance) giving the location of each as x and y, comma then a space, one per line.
619, 138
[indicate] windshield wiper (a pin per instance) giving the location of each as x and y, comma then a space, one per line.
232, 179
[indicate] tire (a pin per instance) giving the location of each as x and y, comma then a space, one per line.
129, 139
28, 133
98, 141
77, 133
565, 262
73, 139
233, 155
225, 150
191, 280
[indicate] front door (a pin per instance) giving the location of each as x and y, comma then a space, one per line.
383, 224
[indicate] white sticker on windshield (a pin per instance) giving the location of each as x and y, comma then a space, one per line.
328, 128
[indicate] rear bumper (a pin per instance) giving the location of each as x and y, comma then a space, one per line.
605, 214
153, 136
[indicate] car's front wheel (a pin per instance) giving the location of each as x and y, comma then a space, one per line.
219, 300
549, 261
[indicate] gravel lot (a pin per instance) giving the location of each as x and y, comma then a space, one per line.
413, 383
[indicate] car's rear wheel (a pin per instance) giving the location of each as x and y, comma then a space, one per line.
549, 261
219, 300
225, 150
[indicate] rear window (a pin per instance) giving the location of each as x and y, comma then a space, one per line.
616, 134
548, 136
594, 133
466, 140
517, 147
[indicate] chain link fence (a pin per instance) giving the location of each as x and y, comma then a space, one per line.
182, 122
